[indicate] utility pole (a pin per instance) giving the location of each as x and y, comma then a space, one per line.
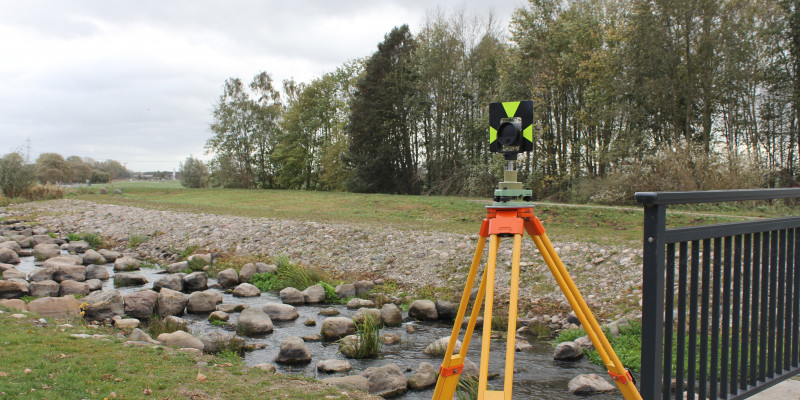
28, 151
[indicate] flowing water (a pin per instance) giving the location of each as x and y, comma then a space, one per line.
536, 374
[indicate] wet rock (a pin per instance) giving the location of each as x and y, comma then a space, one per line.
423, 378
333, 366
94, 271
229, 308
291, 295
201, 302
93, 257
181, 339
219, 316
171, 281
280, 312
589, 384
329, 312
424, 310
44, 251
228, 278
170, 302
46, 288
109, 255
253, 321
246, 290
568, 351
361, 315
438, 347
337, 327
352, 382
387, 380
293, 351
72, 287
214, 342
446, 309
195, 281
55, 307
126, 264
314, 294
124, 279
345, 290
390, 339
359, 303
140, 304
103, 304
391, 315
349, 345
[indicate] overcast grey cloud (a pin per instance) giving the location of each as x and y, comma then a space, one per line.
136, 81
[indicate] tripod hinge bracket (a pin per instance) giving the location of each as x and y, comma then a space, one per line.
449, 371
621, 378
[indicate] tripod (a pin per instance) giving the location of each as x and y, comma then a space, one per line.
513, 220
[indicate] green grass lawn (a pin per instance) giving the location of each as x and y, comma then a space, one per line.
45, 362
431, 213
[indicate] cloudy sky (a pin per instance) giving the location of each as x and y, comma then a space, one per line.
136, 81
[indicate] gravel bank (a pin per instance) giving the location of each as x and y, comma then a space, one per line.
608, 276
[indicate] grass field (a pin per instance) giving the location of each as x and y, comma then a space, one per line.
432, 213
46, 362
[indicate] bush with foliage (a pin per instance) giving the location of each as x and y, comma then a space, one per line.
15, 175
194, 173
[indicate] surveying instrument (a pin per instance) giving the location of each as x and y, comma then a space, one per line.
511, 215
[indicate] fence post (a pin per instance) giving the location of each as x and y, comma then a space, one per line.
652, 298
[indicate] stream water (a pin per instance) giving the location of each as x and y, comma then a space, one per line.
536, 374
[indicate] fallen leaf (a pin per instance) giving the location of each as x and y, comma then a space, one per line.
147, 391
3, 374
201, 377
106, 377
27, 370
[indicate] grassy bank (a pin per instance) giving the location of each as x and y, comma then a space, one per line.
45, 362
431, 213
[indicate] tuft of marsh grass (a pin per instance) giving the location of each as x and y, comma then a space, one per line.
467, 388
369, 338
158, 325
94, 240
135, 240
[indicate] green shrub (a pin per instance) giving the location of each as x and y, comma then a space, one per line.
189, 250
330, 293
94, 240
627, 344
264, 281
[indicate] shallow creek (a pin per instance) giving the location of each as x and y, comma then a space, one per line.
536, 376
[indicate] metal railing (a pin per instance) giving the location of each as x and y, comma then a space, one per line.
721, 303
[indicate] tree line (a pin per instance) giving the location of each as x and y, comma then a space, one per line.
703, 92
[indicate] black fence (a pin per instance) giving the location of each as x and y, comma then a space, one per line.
721, 303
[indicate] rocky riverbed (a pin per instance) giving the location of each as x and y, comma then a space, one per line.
609, 276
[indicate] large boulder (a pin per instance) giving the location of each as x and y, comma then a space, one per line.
46, 288
391, 315
362, 313
280, 312
293, 351
314, 294
246, 290
291, 295
201, 302
139, 335
387, 380
13, 289
424, 310
246, 272
181, 339
171, 281
103, 304
68, 287
126, 263
42, 274
585, 384
214, 342
109, 255
13, 273
94, 284
78, 246
446, 309
55, 262
228, 278
352, 382
253, 321
333, 366
93, 257
14, 304
263, 268
363, 287
123, 279
423, 378
200, 259
568, 351
176, 267
140, 304
70, 272
94, 271
45, 251
56, 307
345, 290
170, 302
337, 327
41, 239
359, 303
195, 281
8, 256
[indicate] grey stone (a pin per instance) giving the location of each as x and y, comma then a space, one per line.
70, 272
171, 281
219, 316
246, 272
140, 304
363, 287
195, 281
438, 347
41, 239
13, 289
359, 303
45, 251
352, 382
181, 339
291, 295
139, 335
293, 351
201, 259
78, 246
123, 279
246, 290
446, 309
263, 268
46, 288
109, 255
10, 245
332, 366
329, 312
42, 274
103, 304
423, 378
337, 327
72, 287
94, 271
214, 342
345, 290
391, 315
280, 312
362, 313
314, 294
588, 384
568, 351
424, 310
253, 321
8, 256
201, 302
387, 380
228, 278
94, 284
55, 262
126, 263
176, 267
93, 257
170, 302
13, 273
585, 343
266, 367
55, 307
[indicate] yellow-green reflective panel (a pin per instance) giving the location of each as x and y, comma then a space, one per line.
511, 108
492, 134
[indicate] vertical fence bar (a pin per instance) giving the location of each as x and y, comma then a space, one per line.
738, 314
796, 310
773, 283
680, 351
653, 300
780, 318
746, 290
764, 323
717, 294
704, 305
693, 311
756, 266
669, 307
726, 323
789, 312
